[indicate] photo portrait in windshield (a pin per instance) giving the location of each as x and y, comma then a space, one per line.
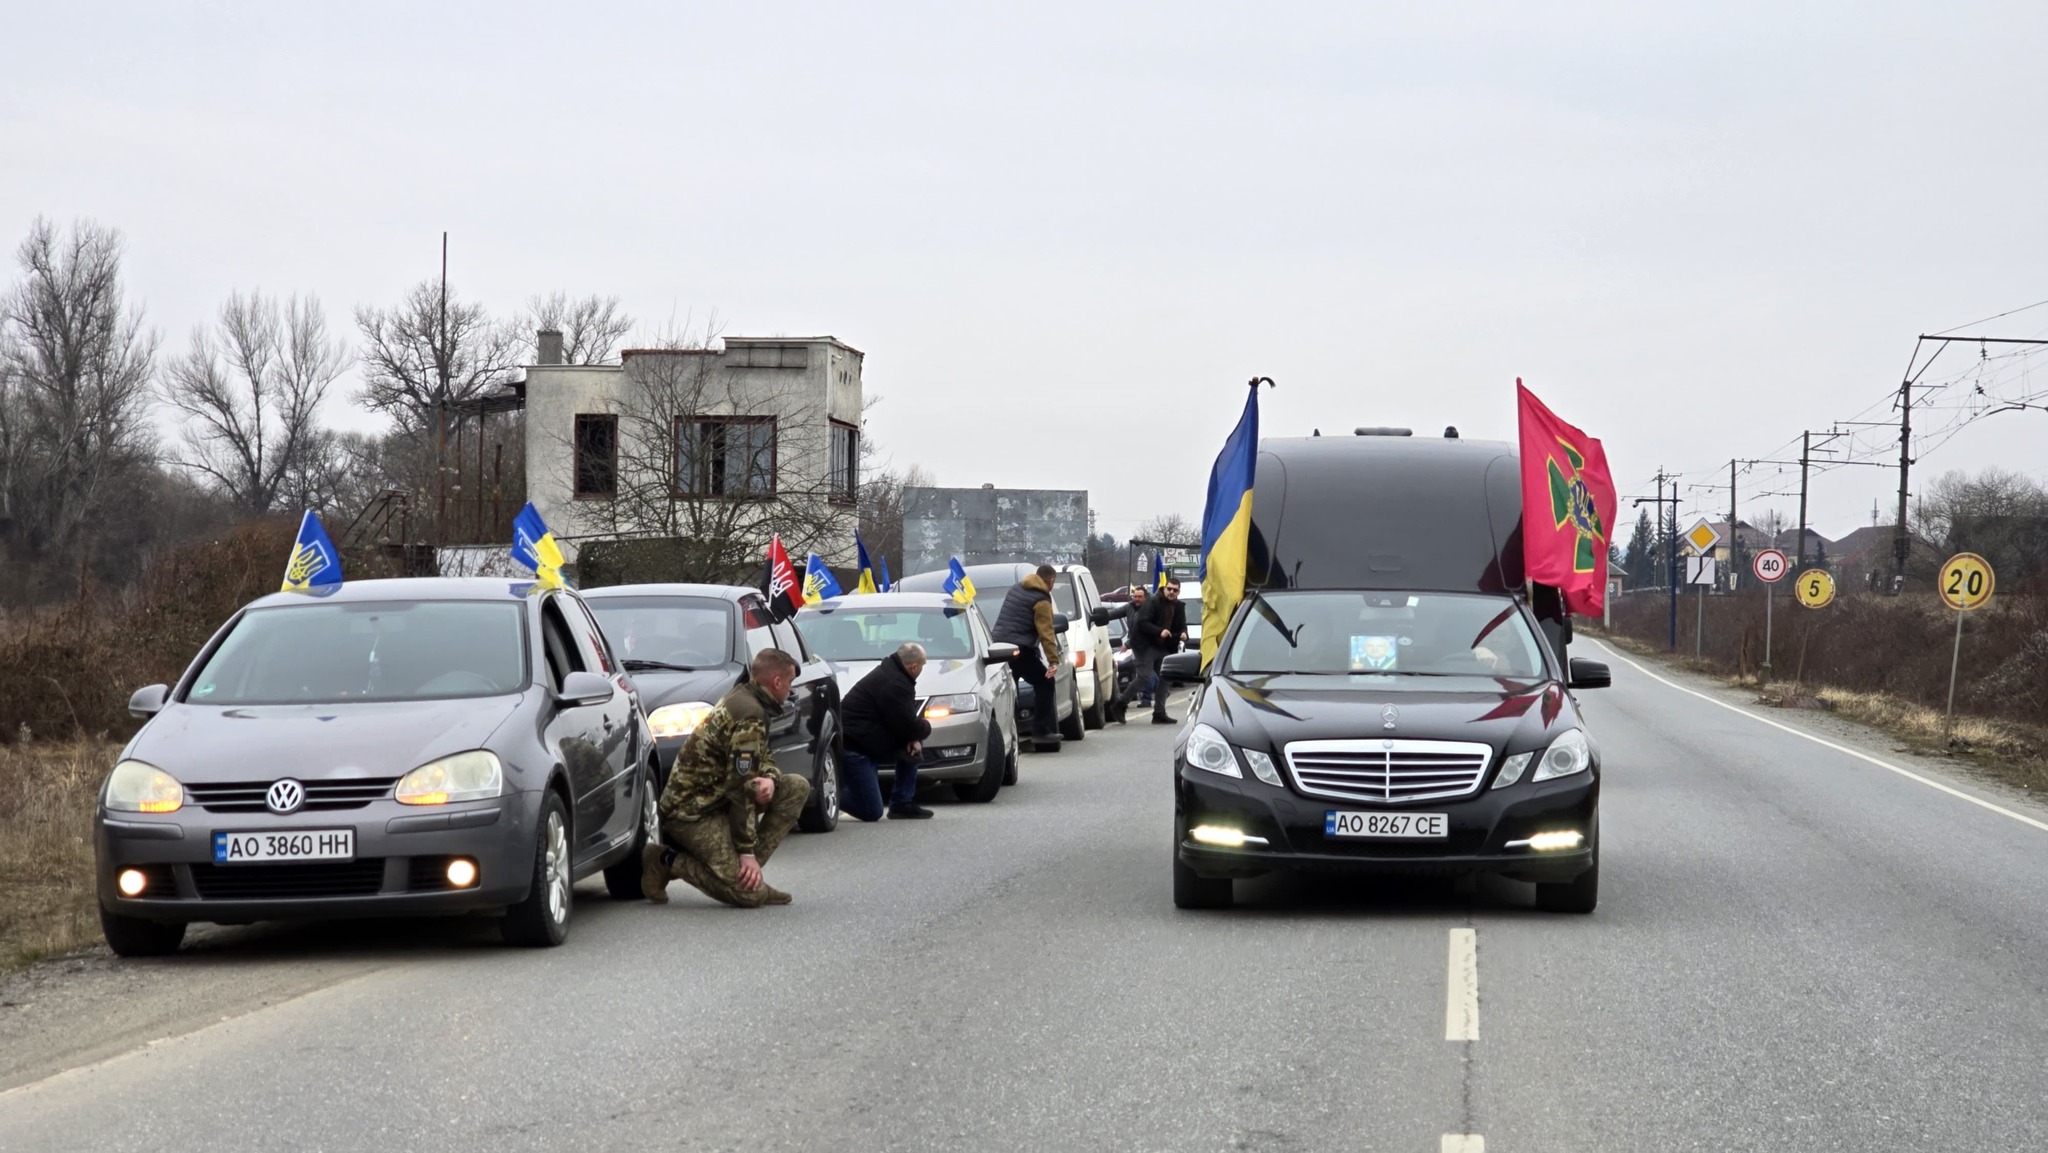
1382, 634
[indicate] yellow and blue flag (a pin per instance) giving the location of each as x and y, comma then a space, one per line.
534, 546
314, 564
886, 582
1227, 526
819, 583
1158, 569
866, 583
957, 582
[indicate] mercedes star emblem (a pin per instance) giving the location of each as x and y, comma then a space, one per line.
1389, 716
285, 796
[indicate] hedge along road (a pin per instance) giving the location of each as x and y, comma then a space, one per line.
1796, 948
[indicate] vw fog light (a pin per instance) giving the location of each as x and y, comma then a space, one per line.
1262, 766
1570, 753
132, 882
1209, 751
678, 720
462, 872
1511, 769
470, 776
951, 704
135, 787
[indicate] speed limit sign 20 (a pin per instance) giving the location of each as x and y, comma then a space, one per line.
1966, 582
1769, 566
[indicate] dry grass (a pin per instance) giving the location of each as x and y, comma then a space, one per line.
47, 904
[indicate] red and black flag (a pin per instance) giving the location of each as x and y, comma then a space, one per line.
1567, 506
785, 591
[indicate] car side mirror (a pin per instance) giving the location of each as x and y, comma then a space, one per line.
1002, 652
1098, 616
584, 688
1059, 622
1589, 674
1182, 668
148, 700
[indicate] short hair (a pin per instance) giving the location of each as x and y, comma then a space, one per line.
767, 662
910, 653
1045, 573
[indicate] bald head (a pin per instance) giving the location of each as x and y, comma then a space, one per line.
912, 655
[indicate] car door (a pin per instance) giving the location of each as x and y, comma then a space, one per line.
787, 740
577, 734
998, 682
814, 696
621, 722
1098, 635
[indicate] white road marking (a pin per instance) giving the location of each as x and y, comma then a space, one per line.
1464, 1143
1461, 995
1909, 774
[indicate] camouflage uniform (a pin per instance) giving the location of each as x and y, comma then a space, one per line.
707, 815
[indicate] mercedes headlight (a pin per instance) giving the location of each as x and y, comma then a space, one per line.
1511, 769
678, 720
470, 776
1208, 750
950, 704
135, 787
1262, 766
1570, 753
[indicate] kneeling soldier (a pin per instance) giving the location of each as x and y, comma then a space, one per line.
726, 807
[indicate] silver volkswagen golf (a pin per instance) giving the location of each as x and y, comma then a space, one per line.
395, 747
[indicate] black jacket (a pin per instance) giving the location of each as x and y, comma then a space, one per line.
1159, 613
880, 713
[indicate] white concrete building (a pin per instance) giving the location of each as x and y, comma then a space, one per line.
700, 444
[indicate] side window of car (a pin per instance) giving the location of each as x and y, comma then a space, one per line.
787, 639
597, 648
564, 657
1089, 597
758, 621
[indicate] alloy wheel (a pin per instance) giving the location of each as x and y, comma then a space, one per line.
558, 869
828, 780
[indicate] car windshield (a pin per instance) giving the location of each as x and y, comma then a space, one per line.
1378, 634
849, 634
684, 632
334, 653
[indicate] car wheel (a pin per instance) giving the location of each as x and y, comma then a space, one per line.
1191, 890
622, 879
542, 919
1098, 713
1578, 895
1072, 728
135, 937
821, 815
983, 790
1010, 764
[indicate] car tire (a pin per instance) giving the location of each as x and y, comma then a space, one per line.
1191, 890
542, 919
1010, 766
1073, 728
821, 814
1578, 895
136, 937
1098, 713
622, 879
983, 790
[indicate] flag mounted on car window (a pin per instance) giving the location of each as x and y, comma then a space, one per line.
1227, 524
314, 564
819, 583
867, 582
957, 582
785, 590
533, 545
1567, 506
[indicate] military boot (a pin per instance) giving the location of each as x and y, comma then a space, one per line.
654, 876
770, 895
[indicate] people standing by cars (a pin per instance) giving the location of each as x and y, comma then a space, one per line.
1160, 629
1026, 621
1141, 685
726, 807
885, 726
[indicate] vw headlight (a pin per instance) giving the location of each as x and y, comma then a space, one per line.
1208, 750
470, 776
951, 704
1262, 766
1570, 753
1511, 770
136, 787
678, 720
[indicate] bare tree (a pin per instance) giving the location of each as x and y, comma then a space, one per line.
591, 326
1999, 514
425, 354
881, 509
251, 389
75, 372
1170, 526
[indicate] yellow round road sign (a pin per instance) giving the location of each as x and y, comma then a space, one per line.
1966, 582
1814, 588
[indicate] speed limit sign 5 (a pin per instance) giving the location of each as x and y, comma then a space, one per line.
1769, 566
1965, 582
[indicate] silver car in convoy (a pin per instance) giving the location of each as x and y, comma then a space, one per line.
429, 746
966, 690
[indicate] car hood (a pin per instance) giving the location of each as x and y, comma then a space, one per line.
658, 687
938, 677
1267, 712
199, 744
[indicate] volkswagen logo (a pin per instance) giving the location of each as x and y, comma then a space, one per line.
285, 796
1389, 716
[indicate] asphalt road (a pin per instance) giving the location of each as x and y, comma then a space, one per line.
1796, 949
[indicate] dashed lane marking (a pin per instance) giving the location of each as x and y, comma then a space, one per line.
1464, 1143
1461, 993
1909, 774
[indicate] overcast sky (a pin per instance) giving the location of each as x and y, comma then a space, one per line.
1066, 237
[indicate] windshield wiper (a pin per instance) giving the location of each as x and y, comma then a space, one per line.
632, 665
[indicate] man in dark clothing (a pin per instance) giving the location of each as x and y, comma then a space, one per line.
884, 727
1026, 621
1141, 684
1160, 628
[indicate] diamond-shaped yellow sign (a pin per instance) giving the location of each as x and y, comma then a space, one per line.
1702, 538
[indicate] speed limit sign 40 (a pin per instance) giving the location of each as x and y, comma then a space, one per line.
1769, 566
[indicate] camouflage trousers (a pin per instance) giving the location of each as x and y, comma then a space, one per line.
704, 854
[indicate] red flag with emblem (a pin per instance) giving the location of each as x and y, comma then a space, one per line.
785, 592
1567, 506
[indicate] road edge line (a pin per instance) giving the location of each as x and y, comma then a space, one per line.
1909, 774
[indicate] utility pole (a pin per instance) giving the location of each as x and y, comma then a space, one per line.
1670, 543
1734, 537
1805, 458
441, 410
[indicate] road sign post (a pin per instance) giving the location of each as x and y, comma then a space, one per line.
1701, 538
1965, 585
1769, 567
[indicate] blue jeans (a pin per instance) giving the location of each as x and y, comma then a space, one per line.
860, 786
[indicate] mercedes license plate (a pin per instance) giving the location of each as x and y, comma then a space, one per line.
284, 845
1387, 826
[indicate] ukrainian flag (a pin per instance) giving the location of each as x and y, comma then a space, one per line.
314, 564
886, 582
1227, 526
819, 583
1158, 570
534, 546
866, 583
957, 582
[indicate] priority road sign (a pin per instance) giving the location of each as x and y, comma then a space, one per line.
1966, 582
1814, 588
1702, 537
1769, 566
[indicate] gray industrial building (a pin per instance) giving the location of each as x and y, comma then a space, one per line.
989, 525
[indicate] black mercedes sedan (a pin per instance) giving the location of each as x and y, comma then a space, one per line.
434, 746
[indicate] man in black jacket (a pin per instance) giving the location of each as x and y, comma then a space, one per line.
1160, 628
884, 727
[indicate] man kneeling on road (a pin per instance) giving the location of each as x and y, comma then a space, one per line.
726, 806
885, 728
